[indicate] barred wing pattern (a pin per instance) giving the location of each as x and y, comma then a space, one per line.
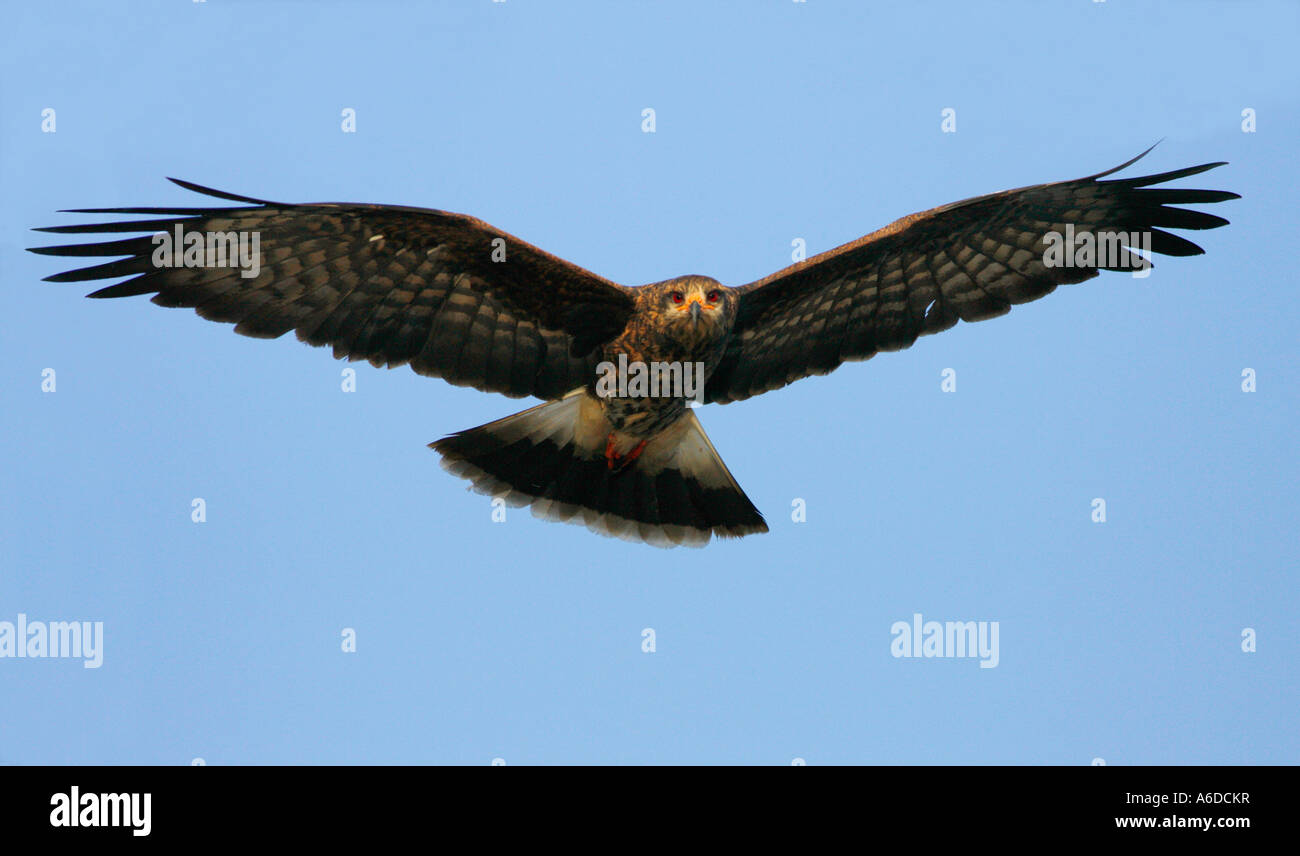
967, 261
384, 283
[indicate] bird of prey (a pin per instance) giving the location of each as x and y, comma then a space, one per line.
455, 298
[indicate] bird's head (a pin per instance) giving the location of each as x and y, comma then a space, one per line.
701, 307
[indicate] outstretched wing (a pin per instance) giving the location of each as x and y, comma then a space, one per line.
448, 294
966, 261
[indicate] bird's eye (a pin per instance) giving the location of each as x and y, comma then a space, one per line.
713, 296
678, 297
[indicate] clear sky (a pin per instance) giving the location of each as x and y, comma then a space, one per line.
523, 640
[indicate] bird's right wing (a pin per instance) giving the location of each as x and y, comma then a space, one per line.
448, 294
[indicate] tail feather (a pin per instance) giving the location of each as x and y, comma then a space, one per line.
678, 492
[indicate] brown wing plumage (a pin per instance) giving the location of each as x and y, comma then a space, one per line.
388, 284
966, 261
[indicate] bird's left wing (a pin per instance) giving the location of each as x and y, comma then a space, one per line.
448, 294
968, 261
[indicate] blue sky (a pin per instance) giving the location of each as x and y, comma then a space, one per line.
522, 640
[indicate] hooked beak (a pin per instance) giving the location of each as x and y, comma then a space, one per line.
695, 311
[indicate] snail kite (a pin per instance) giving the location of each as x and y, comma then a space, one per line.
455, 298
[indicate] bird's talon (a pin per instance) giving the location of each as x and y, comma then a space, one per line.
616, 462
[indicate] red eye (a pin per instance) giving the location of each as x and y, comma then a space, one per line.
713, 296
678, 297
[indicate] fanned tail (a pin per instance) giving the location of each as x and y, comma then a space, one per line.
678, 492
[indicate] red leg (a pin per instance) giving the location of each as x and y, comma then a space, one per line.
616, 462
635, 453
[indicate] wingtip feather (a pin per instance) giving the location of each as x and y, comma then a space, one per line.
219, 194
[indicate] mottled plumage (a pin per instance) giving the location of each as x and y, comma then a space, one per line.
458, 299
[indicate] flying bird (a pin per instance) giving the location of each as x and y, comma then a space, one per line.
456, 298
